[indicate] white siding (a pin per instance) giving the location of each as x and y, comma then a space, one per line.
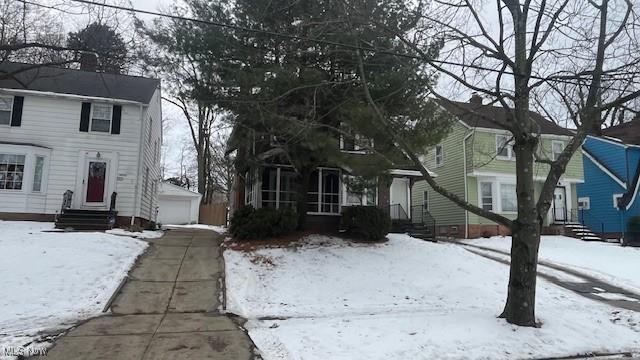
53, 122
151, 160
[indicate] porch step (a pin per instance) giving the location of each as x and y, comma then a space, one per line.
78, 219
582, 232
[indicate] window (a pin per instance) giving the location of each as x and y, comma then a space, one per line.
439, 155
504, 147
248, 188
352, 141
486, 195
616, 200
278, 188
356, 192
425, 200
37, 174
6, 105
584, 203
11, 171
508, 198
556, 149
101, 117
324, 192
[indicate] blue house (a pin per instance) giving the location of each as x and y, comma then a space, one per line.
609, 196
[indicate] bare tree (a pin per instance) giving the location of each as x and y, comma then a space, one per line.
576, 56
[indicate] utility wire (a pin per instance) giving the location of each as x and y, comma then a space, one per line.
562, 79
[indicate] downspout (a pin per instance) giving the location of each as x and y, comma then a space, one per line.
466, 190
138, 200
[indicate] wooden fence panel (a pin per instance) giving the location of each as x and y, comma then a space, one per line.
213, 214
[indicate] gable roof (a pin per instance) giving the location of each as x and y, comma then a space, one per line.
169, 189
78, 82
628, 132
476, 115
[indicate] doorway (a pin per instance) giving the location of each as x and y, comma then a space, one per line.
95, 183
560, 204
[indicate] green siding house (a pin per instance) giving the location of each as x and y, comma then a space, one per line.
476, 162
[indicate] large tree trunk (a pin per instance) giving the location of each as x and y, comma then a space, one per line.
520, 306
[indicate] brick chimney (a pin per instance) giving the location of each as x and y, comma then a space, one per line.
88, 61
475, 99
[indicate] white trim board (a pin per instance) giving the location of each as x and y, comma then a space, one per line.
513, 176
605, 170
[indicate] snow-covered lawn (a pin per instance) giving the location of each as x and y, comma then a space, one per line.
405, 299
51, 280
606, 261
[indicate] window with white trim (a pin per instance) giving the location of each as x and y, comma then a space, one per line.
486, 195
354, 196
248, 187
37, 174
504, 147
508, 198
101, 117
6, 106
352, 141
584, 203
616, 199
11, 171
278, 188
557, 147
439, 155
323, 195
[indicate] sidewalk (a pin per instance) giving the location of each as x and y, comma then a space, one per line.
168, 309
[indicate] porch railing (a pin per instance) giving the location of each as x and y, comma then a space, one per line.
421, 215
586, 218
397, 212
67, 197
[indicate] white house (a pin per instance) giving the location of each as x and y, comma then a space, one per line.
177, 205
93, 134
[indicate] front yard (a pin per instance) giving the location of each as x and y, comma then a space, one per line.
51, 280
406, 299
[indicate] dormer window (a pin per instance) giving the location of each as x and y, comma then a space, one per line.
101, 117
352, 141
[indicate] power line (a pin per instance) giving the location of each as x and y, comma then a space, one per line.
562, 79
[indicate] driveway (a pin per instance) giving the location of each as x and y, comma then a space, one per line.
169, 308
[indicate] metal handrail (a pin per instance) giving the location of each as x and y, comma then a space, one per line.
112, 204
421, 215
397, 212
67, 197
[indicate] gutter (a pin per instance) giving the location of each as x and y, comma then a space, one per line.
71, 96
466, 189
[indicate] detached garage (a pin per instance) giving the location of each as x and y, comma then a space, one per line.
177, 205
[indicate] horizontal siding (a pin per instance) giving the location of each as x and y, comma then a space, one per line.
449, 175
484, 160
151, 159
54, 123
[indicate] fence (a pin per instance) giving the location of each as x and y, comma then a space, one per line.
213, 214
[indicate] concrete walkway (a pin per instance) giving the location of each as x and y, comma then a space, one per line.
168, 309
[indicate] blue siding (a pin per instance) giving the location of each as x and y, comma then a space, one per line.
600, 187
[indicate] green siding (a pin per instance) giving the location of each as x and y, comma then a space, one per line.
484, 150
481, 149
449, 175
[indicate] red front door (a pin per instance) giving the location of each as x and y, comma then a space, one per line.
96, 181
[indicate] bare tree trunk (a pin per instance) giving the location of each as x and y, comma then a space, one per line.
520, 305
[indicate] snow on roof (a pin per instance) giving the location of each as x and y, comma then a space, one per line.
168, 189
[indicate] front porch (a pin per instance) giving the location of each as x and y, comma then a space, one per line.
329, 192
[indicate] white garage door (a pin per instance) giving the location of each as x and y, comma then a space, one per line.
172, 211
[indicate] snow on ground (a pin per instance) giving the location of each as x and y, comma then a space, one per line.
218, 229
405, 299
605, 261
51, 280
145, 234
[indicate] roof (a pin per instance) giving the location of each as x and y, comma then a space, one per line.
628, 132
78, 82
168, 189
476, 115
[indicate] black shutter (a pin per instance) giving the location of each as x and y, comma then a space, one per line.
115, 119
16, 117
84, 116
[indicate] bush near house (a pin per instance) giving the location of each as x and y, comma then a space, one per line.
366, 222
249, 223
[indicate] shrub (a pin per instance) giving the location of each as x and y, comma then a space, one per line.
249, 223
634, 224
366, 222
